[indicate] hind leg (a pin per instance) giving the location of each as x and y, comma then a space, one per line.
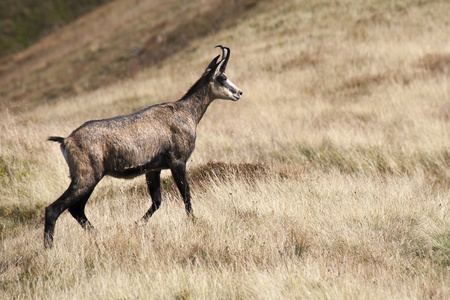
75, 197
77, 211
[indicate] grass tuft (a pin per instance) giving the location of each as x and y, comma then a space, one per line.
436, 63
201, 176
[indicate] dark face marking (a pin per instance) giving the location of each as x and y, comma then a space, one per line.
230, 88
222, 79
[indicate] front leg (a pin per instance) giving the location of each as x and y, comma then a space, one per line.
154, 188
178, 170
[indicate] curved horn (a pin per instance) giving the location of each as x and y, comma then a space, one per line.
225, 57
224, 52
224, 66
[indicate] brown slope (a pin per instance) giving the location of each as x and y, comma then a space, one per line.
112, 43
24, 22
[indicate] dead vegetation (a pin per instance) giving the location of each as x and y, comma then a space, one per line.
202, 176
328, 180
190, 27
220, 171
436, 63
110, 52
304, 60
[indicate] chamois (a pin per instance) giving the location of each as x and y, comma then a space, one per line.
158, 137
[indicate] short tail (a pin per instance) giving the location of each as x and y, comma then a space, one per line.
63, 148
56, 139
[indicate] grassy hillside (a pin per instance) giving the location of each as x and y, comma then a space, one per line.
23, 22
330, 179
113, 43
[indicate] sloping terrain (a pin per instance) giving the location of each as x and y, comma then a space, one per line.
329, 179
112, 43
24, 22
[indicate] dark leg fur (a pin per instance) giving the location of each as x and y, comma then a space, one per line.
154, 188
77, 211
179, 175
75, 199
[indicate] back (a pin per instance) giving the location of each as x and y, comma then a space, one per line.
137, 142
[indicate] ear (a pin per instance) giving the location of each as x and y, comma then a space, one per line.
214, 72
212, 63
219, 68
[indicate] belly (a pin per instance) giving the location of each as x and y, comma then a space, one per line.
127, 171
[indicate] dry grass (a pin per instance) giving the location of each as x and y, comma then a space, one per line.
329, 180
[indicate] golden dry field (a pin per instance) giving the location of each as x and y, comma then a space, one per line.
330, 179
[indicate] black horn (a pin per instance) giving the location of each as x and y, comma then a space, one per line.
225, 56
224, 52
224, 66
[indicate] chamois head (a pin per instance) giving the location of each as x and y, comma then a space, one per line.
221, 86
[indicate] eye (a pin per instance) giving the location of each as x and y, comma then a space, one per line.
222, 77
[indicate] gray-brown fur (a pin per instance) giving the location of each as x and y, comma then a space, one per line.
158, 137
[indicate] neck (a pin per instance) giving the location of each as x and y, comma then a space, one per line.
197, 101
